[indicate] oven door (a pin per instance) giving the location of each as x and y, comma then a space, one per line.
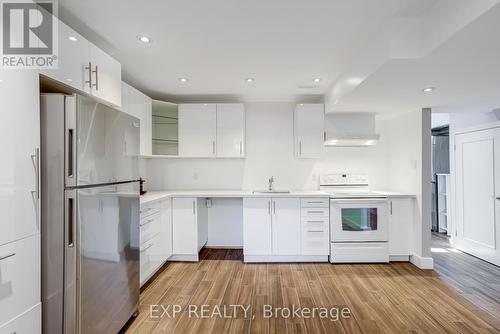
360, 219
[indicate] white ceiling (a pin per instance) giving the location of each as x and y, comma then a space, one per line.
283, 44
465, 69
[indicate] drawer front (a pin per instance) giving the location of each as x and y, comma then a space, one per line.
315, 242
19, 268
150, 209
315, 212
314, 202
150, 227
30, 322
315, 224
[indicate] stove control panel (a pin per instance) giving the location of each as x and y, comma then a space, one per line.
340, 179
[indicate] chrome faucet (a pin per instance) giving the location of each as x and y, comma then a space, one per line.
271, 180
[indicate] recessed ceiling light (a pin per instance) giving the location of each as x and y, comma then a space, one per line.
428, 89
249, 79
73, 38
183, 79
69, 80
317, 79
144, 39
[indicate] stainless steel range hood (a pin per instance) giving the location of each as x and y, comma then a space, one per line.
350, 129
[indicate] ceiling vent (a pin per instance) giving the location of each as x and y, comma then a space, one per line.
350, 129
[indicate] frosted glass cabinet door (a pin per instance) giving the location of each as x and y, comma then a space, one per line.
19, 141
197, 130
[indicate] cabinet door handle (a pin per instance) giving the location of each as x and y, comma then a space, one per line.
241, 148
36, 162
274, 207
89, 70
390, 207
269, 207
300, 148
315, 231
7, 256
194, 210
96, 71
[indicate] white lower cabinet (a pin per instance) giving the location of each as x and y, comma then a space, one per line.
401, 217
185, 229
279, 230
156, 237
19, 286
286, 233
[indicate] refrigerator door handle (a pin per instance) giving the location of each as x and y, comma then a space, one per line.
70, 140
70, 262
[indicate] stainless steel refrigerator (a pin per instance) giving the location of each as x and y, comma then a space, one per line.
89, 215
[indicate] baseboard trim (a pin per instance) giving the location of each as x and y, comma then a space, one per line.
285, 258
422, 262
399, 258
187, 258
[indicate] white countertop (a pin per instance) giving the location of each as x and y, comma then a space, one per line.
155, 195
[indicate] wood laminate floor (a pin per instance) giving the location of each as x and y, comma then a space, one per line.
382, 298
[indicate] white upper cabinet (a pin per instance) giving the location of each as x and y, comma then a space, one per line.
139, 105
197, 130
19, 149
85, 67
230, 130
74, 54
309, 130
106, 76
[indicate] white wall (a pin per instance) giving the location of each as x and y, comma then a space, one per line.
269, 147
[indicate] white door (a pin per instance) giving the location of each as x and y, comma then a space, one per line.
309, 130
106, 77
19, 141
185, 227
230, 130
286, 229
478, 193
73, 58
197, 130
257, 226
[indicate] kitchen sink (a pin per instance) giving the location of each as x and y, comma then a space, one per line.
271, 192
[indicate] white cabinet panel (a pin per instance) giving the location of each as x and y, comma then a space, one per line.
30, 322
309, 130
106, 76
230, 130
74, 56
19, 140
19, 280
185, 227
166, 231
401, 215
137, 104
197, 130
257, 231
286, 226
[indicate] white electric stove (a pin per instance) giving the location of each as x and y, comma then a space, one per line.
359, 219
